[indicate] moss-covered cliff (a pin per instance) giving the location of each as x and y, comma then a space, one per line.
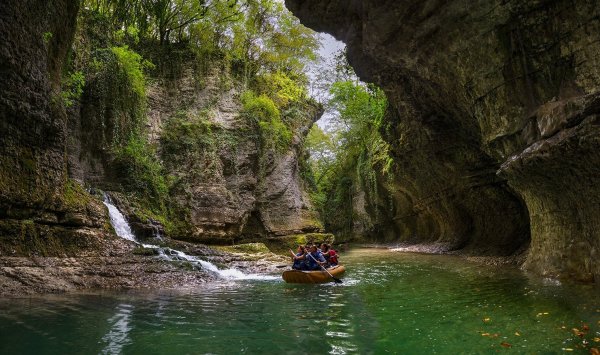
42, 212
493, 120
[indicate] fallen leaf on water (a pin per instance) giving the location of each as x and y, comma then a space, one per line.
585, 327
567, 349
518, 334
594, 351
578, 332
505, 344
485, 334
597, 340
486, 320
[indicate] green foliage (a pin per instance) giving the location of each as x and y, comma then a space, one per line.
131, 34
351, 157
255, 45
47, 36
133, 65
140, 171
274, 133
72, 87
193, 145
280, 88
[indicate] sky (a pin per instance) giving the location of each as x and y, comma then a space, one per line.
329, 47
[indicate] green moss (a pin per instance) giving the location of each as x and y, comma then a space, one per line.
283, 244
75, 196
27, 238
245, 248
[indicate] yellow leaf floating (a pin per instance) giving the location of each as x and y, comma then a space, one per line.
567, 349
597, 340
486, 320
518, 334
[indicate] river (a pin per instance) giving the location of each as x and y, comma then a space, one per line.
389, 302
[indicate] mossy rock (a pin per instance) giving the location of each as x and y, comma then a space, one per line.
282, 244
245, 248
75, 196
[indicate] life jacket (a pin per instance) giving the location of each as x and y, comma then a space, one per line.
312, 264
332, 257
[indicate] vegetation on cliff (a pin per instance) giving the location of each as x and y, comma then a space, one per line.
350, 158
255, 49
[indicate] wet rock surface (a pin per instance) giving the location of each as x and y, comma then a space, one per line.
492, 120
124, 267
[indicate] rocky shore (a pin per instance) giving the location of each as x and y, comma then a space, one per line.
124, 268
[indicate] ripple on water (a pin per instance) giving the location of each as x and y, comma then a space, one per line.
399, 304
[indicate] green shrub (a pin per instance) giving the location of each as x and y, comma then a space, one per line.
140, 171
72, 87
133, 65
281, 88
274, 133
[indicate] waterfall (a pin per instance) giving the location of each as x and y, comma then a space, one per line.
118, 221
123, 230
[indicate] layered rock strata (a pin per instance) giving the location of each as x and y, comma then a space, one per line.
232, 186
41, 212
493, 120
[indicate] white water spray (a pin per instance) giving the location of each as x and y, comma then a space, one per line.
123, 230
118, 221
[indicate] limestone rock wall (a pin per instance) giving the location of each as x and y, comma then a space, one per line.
224, 186
41, 212
231, 188
493, 119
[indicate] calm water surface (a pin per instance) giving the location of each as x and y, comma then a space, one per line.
389, 303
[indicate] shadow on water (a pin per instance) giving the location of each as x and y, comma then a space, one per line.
389, 302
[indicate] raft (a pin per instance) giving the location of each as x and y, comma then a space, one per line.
312, 277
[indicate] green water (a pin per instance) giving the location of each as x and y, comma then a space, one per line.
388, 303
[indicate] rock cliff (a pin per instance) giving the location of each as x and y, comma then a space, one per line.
225, 184
230, 186
493, 120
41, 211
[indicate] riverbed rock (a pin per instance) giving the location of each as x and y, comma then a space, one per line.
492, 120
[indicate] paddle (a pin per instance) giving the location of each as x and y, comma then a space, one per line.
335, 279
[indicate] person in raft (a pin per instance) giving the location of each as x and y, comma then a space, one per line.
329, 254
314, 259
308, 260
299, 258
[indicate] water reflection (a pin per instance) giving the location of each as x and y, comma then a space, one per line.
120, 327
397, 304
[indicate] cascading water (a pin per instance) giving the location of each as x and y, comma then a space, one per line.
123, 230
118, 221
